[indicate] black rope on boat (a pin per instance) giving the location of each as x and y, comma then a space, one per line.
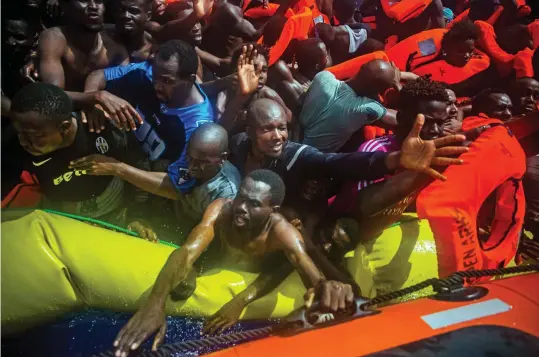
454, 279
440, 285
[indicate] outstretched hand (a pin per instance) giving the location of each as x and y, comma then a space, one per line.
331, 295
146, 321
420, 155
227, 316
95, 164
248, 75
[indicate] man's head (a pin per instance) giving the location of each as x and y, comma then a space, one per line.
261, 193
493, 102
174, 69
427, 97
312, 56
344, 10
158, 7
514, 38
524, 93
375, 78
267, 127
132, 15
41, 114
180, 10
262, 59
18, 36
207, 151
87, 14
458, 44
453, 124
482, 9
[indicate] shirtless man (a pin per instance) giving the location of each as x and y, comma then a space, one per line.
349, 39
250, 233
131, 17
227, 20
311, 57
68, 54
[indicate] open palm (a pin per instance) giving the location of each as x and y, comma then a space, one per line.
419, 155
248, 73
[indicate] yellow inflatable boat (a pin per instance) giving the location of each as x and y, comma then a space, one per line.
53, 264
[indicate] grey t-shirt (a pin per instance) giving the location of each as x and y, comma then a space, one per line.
224, 185
332, 113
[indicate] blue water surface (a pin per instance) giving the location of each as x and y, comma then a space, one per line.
90, 332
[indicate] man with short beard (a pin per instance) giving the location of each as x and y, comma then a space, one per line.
69, 53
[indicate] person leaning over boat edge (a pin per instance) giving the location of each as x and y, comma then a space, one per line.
251, 233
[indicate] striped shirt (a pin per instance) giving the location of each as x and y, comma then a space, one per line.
345, 200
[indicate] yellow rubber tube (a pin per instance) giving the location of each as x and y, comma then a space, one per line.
53, 264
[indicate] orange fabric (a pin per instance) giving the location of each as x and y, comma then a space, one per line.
372, 132
246, 4
311, 5
452, 206
349, 68
371, 21
522, 7
533, 28
442, 71
401, 52
487, 43
24, 195
259, 12
404, 10
523, 63
296, 27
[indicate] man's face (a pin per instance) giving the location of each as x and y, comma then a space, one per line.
525, 96
37, 135
166, 82
261, 61
500, 107
86, 13
17, 38
158, 7
436, 115
459, 54
270, 135
252, 205
131, 16
205, 161
452, 124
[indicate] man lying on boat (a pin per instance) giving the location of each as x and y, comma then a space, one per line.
251, 235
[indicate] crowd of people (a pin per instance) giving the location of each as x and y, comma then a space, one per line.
281, 134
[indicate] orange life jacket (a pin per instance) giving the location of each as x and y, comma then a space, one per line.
487, 43
260, 12
25, 194
318, 16
417, 49
491, 20
441, 71
522, 63
533, 28
349, 68
296, 27
372, 132
404, 10
452, 206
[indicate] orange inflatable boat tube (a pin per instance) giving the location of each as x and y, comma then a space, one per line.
517, 298
349, 68
404, 10
452, 207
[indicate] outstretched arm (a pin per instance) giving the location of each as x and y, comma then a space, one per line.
151, 316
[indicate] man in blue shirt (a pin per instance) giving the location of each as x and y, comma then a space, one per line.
161, 95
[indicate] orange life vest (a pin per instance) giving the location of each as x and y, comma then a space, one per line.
533, 28
404, 10
296, 27
523, 63
452, 206
417, 49
487, 43
260, 12
318, 16
25, 194
491, 20
349, 68
442, 71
